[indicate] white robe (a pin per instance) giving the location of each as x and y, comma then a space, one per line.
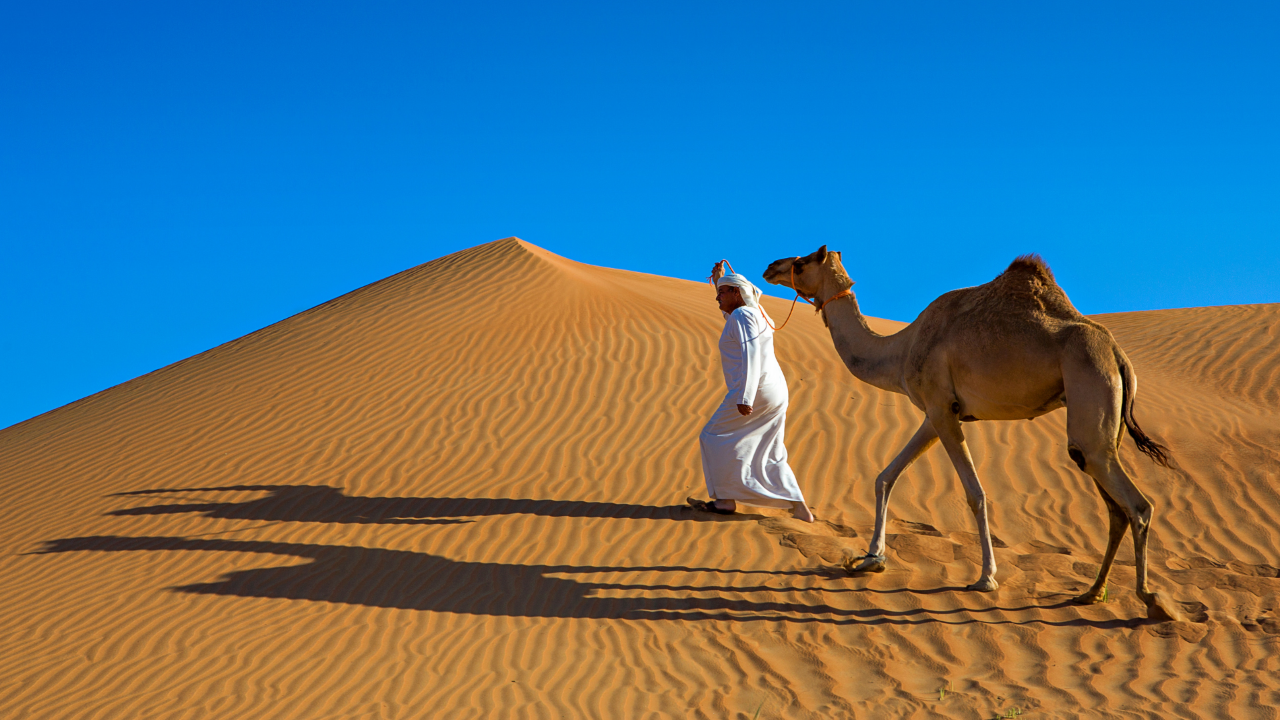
743, 456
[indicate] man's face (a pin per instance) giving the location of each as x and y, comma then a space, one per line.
729, 298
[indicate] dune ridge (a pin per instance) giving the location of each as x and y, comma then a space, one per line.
440, 495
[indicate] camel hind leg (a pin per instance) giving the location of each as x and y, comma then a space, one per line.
1119, 520
1126, 502
1093, 428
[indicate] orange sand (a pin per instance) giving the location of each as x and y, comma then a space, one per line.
415, 501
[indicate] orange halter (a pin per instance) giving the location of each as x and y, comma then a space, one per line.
847, 292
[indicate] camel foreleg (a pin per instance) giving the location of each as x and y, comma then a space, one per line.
948, 428
874, 560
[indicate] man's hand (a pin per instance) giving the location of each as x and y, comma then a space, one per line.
717, 272
744, 409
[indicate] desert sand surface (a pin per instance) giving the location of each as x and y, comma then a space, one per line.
459, 493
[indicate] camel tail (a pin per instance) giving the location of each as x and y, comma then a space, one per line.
1158, 453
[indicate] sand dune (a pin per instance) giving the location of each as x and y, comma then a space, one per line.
437, 497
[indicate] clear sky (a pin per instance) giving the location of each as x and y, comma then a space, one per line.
176, 175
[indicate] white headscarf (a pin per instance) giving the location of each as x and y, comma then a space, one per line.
750, 293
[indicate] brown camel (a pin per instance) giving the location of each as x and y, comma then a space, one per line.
1012, 349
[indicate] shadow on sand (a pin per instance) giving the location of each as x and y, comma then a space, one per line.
321, 503
408, 580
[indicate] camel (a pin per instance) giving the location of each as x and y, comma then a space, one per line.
1012, 349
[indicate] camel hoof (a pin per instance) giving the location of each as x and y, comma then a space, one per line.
1093, 597
984, 585
866, 564
1161, 611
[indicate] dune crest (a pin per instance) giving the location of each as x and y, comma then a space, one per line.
458, 492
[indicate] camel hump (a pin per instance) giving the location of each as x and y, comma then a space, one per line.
1028, 279
1031, 264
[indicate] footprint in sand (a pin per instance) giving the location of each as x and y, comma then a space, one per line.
1031, 566
825, 539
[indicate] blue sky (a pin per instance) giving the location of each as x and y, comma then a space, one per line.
175, 176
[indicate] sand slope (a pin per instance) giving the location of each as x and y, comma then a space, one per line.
436, 497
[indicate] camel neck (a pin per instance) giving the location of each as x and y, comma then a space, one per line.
871, 357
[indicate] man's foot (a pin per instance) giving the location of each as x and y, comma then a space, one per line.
719, 507
803, 513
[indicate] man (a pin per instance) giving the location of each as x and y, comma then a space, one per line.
743, 455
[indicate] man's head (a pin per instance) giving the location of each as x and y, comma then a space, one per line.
729, 297
734, 291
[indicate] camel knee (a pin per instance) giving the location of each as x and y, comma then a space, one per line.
885, 483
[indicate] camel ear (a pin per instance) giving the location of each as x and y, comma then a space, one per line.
822, 254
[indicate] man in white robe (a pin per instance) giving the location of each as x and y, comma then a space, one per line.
744, 459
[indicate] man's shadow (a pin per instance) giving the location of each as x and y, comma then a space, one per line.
407, 580
321, 503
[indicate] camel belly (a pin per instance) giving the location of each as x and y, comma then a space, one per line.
984, 384
973, 413
1012, 399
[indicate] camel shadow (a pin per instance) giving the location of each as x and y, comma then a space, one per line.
406, 580
324, 504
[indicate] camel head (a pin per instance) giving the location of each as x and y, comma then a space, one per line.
816, 273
